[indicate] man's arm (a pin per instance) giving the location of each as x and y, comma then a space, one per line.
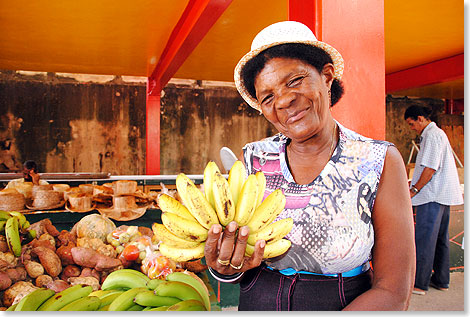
425, 177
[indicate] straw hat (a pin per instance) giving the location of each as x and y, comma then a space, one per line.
101, 189
125, 207
79, 202
86, 188
124, 187
37, 188
25, 188
70, 191
46, 200
11, 199
60, 187
283, 33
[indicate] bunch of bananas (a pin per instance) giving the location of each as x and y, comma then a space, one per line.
185, 225
124, 290
15, 227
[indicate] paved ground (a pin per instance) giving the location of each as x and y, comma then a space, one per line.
434, 300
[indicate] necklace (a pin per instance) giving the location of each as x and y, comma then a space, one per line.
333, 141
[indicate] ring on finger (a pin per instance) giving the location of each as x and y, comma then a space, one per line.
236, 267
223, 262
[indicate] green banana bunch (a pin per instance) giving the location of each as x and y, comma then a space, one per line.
187, 305
33, 300
12, 235
65, 297
177, 289
149, 298
87, 303
125, 279
195, 282
125, 300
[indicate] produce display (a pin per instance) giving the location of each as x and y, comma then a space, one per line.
186, 224
97, 266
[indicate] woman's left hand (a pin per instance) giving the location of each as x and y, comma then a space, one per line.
225, 249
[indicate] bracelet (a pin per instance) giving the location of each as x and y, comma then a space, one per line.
225, 278
414, 189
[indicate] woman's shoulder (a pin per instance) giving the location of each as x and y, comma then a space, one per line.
353, 137
270, 144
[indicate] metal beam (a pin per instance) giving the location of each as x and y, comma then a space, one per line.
309, 12
439, 71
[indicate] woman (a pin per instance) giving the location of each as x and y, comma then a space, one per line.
293, 79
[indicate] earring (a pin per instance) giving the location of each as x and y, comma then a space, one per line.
329, 96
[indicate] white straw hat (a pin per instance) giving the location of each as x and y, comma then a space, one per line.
282, 33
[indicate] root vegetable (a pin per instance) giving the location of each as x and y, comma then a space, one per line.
90, 272
70, 271
47, 237
5, 281
88, 280
45, 226
93, 259
20, 288
43, 280
65, 237
65, 254
34, 269
49, 260
42, 243
58, 285
16, 274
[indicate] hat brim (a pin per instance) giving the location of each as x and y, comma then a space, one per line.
58, 205
338, 64
70, 208
124, 214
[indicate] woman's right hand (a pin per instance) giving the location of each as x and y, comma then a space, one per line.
225, 249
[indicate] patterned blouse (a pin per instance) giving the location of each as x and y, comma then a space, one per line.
333, 231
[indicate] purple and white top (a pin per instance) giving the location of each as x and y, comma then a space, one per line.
333, 231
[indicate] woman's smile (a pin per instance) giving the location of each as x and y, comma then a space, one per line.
296, 116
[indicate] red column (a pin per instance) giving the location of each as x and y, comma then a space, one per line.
356, 30
152, 137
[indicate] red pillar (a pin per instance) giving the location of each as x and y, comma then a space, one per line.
152, 137
356, 30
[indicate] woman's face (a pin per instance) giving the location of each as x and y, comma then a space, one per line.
294, 96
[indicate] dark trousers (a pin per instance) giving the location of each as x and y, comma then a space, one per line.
264, 290
432, 245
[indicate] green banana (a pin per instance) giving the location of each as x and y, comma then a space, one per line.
4, 215
126, 299
161, 308
12, 307
194, 281
107, 299
125, 279
101, 293
152, 284
65, 297
104, 308
21, 218
87, 303
148, 298
135, 307
272, 232
33, 300
2, 225
180, 290
187, 305
13, 236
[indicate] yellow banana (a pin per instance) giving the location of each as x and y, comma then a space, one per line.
208, 180
182, 255
246, 204
269, 209
87, 303
149, 298
172, 205
193, 280
223, 200
33, 300
195, 201
187, 305
271, 250
184, 228
236, 178
12, 235
272, 232
261, 186
163, 234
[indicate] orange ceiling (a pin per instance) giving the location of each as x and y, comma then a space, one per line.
127, 37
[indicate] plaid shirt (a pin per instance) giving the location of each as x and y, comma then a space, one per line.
436, 153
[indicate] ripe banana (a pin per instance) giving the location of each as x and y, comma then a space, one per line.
179, 290
271, 250
65, 297
33, 300
261, 186
272, 232
208, 180
87, 303
187, 305
126, 299
236, 178
125, 279
223, 200
172, 205
184, 228
13, 236
247, 200
269, 209
163, 234
182, 255
148, 298
193, 280
195, 201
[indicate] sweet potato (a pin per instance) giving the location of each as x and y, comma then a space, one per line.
17, 290
16, 274
70, 271
43, 280
65, 237
5, 281
88, 280
57, 285
65, 254
49, 260
42, 243
87, 257
44, 226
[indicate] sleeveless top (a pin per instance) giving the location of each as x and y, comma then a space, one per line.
332, 232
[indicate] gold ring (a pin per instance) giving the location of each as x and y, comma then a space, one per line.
236, 267
223, 262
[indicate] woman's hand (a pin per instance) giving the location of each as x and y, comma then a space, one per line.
225, 250
34, 177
